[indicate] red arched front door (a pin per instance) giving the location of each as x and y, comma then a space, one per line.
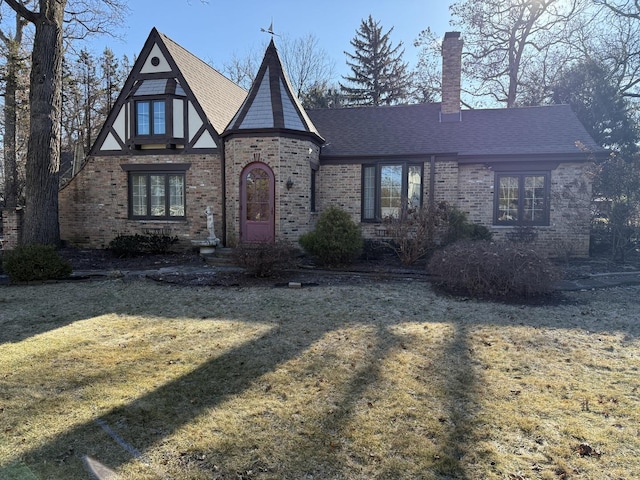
257, 190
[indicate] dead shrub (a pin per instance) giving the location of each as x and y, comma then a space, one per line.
265, 259
413, 235
417, 233
493, 270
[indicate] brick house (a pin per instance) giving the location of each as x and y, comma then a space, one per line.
182, 137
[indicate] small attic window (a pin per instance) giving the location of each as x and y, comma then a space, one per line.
155, 61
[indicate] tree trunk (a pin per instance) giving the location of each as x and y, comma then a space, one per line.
10, 120
43, 151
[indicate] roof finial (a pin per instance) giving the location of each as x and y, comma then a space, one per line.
270, 30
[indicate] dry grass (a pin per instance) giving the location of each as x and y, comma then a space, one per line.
385, 381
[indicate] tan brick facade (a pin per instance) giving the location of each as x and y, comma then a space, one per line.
11, 228
94, 204
470, 188
288, 159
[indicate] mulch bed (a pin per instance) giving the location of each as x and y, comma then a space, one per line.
366, 270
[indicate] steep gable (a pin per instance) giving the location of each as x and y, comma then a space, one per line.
271, 104
171, 101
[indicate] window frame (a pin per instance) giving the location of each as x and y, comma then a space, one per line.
521, 176
147, 171
377, 187
152, 130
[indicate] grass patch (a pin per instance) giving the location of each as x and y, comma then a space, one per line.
343, 382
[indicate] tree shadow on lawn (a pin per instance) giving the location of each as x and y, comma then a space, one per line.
142, 422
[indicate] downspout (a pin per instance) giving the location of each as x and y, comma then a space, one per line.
432, 181
223, 166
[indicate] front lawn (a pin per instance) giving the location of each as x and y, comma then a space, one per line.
370, 381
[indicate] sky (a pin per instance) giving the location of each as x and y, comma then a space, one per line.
217, 30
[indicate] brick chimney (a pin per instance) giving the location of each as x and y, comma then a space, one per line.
451, 73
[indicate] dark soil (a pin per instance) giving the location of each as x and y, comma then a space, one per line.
193, 270
378, 268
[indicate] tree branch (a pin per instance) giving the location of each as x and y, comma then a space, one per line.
23, 11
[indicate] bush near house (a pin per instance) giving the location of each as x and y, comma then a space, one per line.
265, 259
336, 240
29, 263
133, 245
493, 270
418, 233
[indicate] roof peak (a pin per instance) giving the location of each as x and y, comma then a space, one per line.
271, 103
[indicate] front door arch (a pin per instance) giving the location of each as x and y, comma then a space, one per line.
257, 212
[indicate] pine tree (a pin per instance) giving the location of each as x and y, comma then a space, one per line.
379, 76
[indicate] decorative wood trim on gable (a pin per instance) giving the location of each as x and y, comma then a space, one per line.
155, 76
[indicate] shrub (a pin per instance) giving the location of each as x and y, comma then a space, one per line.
133, 245
418, 233
373, 249
413, 236
336, 239
265, 259
493, 270
459, 228
35, 263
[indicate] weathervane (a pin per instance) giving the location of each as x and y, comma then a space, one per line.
270, 30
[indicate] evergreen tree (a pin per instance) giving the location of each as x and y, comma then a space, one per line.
379, 76
111, 80
600, 106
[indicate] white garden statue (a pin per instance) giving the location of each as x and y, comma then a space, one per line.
212, 233
208, 246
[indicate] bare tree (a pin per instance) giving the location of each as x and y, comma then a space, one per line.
625, 8
616, 41
45, 98
307, 65
512, 43
13, 74
242, 70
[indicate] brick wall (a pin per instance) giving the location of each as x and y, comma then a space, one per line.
11, 228
93, 206
289, 159
471, 189
569, 220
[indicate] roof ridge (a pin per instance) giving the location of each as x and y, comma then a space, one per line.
166, 38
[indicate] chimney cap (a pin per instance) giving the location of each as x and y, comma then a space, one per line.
452, 35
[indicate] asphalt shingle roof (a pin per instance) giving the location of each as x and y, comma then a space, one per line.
219, 97
417, 130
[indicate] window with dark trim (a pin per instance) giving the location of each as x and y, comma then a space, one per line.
390, 190
521, 198
312, 199
157, 195
151, 117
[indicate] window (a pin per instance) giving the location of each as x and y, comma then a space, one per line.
312, 199
389, 190
157, 195
150, 117
522, 199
